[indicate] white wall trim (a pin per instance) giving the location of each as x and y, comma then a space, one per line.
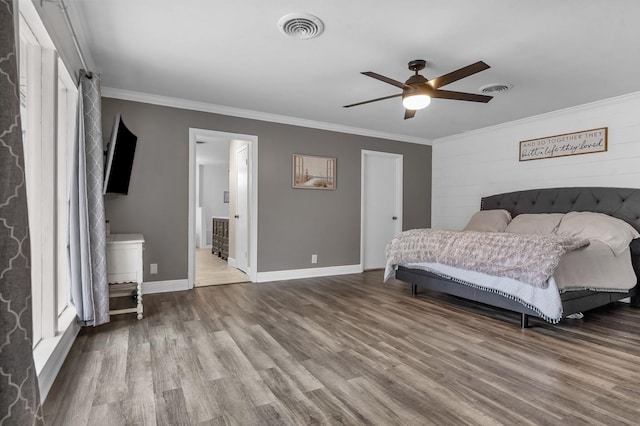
32, 20
629, 97
294, 274
232, 262
50, 354
151, 287
128, 95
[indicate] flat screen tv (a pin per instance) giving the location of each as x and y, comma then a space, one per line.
119, 158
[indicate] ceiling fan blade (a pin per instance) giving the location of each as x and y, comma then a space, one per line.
460, 96
409, 113
456, 75
372, 100
386, 79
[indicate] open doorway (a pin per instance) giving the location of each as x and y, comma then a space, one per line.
222, 203
211, 269
213, 169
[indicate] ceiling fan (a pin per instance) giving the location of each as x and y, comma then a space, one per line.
417, 91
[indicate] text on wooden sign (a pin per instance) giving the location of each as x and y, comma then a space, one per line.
584, 142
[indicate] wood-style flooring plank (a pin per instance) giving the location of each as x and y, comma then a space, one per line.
285, 360
58, 394
347, 350
295, 404
171, 408
352, 397
337, 412
77, 399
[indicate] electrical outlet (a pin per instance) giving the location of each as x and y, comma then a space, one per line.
153, 268
314, 258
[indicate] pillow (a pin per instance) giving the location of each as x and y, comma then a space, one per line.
538, 224
489, 221
615, 233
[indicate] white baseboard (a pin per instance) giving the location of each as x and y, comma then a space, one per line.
49, 355
307, 273
232, 262
151, 287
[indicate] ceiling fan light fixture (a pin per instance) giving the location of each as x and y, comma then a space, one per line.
416, 101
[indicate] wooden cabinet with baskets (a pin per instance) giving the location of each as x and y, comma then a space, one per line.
220, 237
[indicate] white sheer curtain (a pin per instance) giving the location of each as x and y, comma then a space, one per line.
87, 233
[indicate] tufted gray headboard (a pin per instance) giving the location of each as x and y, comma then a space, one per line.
623, 203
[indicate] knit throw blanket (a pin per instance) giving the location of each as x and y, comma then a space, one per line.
523, 257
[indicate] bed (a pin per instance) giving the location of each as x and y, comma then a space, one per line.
621, 203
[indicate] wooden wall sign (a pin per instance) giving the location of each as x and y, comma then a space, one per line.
584, 142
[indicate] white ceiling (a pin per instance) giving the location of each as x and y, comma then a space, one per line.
556, 53
212, 150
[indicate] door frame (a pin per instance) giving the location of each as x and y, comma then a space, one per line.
399, 195
252, 141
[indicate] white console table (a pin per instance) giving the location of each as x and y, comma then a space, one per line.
125, 269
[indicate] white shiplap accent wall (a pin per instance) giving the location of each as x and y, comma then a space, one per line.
469, 166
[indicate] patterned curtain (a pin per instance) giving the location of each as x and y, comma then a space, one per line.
87, 230
19, 397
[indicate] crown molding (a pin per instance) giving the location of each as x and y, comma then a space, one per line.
629, 97
128, 95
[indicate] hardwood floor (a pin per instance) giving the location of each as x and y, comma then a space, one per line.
346, 350
211, 270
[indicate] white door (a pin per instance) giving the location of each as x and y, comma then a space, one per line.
381, 205
242, 209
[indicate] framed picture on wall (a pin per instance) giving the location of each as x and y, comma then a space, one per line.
311, 172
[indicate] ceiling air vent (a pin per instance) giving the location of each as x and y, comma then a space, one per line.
492, 89
302, 26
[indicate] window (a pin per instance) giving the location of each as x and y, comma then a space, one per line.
67, 98
47, 100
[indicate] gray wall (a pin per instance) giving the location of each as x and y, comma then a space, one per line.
292, 223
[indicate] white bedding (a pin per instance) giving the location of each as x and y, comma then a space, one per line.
592, 268
544, 301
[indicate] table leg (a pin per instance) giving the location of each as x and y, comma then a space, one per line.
139, 298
